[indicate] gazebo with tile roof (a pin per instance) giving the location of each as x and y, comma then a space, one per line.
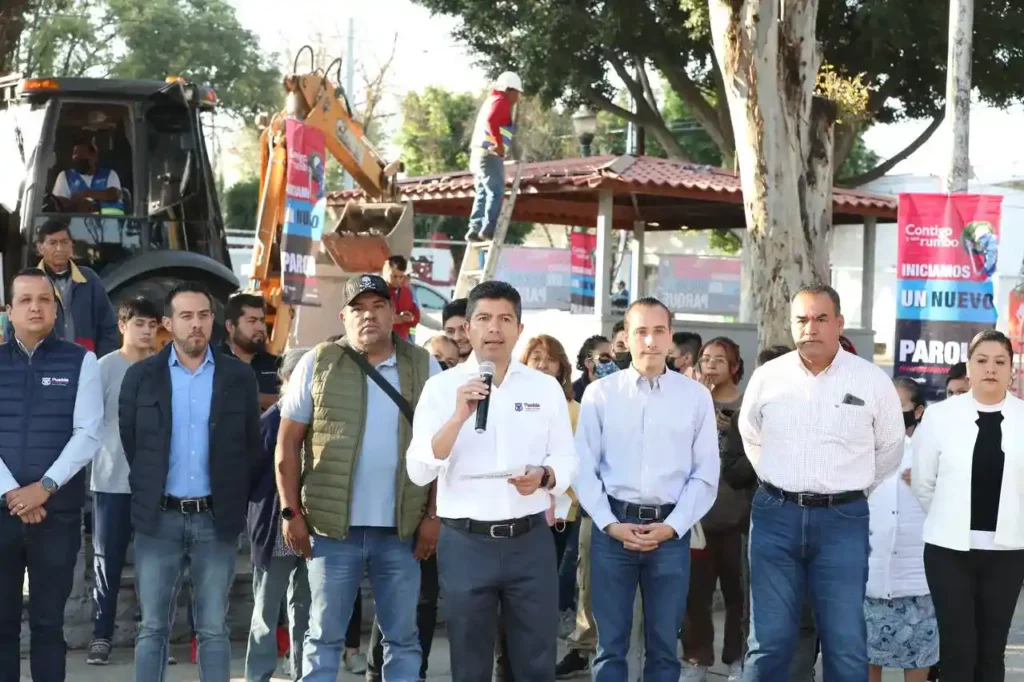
632, 193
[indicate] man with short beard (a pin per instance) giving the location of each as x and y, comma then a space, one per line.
190, 428
245, 319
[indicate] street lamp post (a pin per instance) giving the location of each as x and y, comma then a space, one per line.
584, 123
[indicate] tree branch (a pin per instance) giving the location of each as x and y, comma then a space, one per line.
641, 71
696, 102
655, 123
722, 106
887, 165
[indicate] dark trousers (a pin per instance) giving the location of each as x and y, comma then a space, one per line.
975, 594
721, 561
568, 555
111, 534
48, 550
426, 623
354, 634
477, 574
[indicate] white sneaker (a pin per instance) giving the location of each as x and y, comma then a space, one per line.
735, 671
354, 663
693, 672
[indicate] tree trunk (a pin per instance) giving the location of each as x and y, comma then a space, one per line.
784, 146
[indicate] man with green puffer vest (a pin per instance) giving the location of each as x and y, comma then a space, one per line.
348, 409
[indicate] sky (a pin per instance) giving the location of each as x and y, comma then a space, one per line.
426, 54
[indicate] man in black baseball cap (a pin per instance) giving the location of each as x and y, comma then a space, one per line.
355, 398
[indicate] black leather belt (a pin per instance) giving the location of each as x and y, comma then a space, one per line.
508, 528
186, 505
816, 500
647, 513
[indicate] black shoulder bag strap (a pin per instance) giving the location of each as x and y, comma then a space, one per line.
369, 370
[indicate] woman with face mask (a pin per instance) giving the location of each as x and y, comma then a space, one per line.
898, 610
968, 474
595, 360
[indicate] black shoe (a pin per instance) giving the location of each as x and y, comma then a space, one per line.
574, 664
472, 236
99, 652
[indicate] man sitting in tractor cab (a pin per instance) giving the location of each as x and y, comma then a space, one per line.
87, 187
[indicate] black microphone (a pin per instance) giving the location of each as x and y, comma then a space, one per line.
487, 374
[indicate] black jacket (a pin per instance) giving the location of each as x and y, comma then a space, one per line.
736, 468
145, 424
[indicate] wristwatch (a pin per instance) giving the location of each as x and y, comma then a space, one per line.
546, 478
49, 485
287, 513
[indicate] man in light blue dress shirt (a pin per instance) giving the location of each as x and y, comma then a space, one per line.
189, 424
649, 466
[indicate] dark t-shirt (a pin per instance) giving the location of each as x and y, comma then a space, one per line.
264, 366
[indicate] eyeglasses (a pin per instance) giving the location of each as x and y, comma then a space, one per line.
713, 362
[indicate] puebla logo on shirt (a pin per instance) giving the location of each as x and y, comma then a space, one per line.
55, 381
527, 407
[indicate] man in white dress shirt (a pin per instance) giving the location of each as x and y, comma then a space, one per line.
493, 489
648, 447
822, 428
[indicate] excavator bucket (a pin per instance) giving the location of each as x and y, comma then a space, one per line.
366, 234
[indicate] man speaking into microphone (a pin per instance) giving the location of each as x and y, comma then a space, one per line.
496, 476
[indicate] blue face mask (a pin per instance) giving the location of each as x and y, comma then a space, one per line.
603, 369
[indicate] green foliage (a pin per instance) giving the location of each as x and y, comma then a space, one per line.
151, 39
574, 51
859, 160
435, 131
241, 201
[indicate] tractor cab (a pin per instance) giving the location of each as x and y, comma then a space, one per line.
123, 163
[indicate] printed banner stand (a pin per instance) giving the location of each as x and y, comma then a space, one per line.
582, 263
305, 206
947, 253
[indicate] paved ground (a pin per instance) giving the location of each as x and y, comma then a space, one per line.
121, 665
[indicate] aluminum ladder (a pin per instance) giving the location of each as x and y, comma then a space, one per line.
480, 261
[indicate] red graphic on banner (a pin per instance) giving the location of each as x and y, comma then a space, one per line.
583, 244
940, 238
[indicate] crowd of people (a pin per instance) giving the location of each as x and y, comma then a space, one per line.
840, 514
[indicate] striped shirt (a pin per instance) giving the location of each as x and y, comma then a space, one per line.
838, 431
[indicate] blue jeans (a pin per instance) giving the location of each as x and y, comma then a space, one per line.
335, 572
111, 534
48, 551
664, 579
821, 553
183, 542
283, 575
488, 191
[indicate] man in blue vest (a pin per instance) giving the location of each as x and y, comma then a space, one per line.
86, 187
51, 413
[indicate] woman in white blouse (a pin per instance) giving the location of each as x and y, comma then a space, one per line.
968, 474
898, 610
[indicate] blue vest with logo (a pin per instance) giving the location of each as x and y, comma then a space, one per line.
37, 409
76, 183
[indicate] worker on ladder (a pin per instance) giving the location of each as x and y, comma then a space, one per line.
492, 136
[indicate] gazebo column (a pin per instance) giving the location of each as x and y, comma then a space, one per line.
603, 257
867, 275
637, 276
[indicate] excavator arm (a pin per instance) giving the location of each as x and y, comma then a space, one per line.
361, 235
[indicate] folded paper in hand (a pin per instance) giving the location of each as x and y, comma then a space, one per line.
507, 473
